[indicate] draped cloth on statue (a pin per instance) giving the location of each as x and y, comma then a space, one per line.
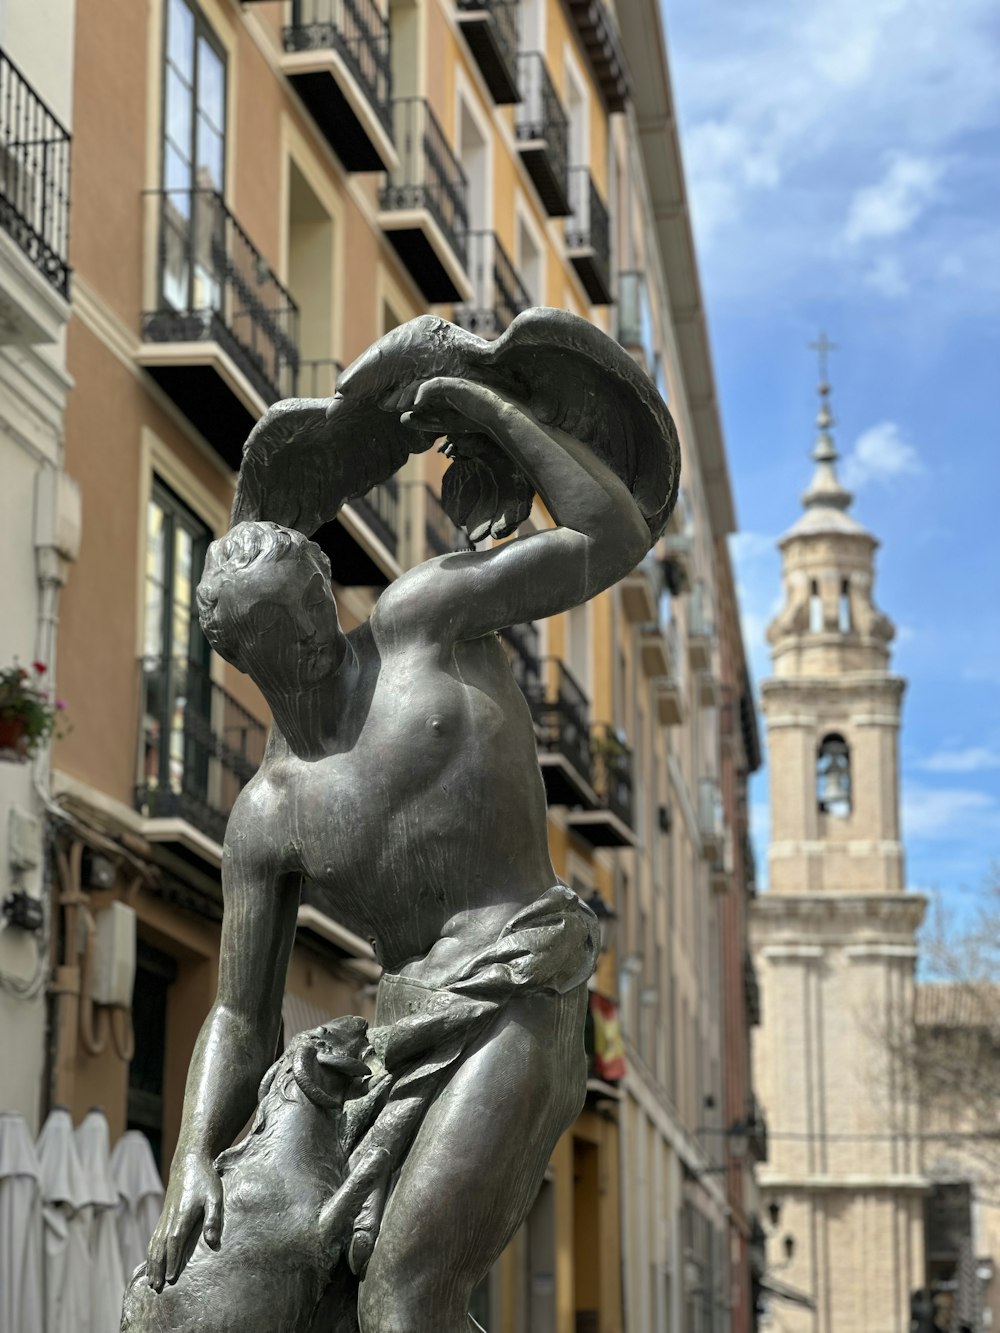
423, 1031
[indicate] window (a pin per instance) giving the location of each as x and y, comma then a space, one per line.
155, 972
833, 776
815, 608
844, 608
194, 128
194, 132
530, 263
177, 686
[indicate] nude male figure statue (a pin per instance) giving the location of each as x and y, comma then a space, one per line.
401, 778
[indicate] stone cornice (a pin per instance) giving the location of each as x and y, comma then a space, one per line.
837, 918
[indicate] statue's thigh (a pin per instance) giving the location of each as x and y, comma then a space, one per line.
480, 1155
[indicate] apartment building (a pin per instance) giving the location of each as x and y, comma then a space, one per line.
39, 503
260, 190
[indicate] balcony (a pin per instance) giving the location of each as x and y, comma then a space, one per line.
363, 542
668, 688
721, 871
317, 379
440, 535
337, 60
751, 991
749, 864
757, 1145
521, 645
34, 214
499, 293
608, 823
220, 333
543, 134
560, 711
588, 236
490, 28
711, 820
635, 319
600, 40
198, 748
641, 590
423, 205
701, 635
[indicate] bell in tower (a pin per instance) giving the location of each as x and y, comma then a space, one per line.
833, 777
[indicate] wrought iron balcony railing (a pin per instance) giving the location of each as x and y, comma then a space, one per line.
635, 318
379, 508
490, 28
560, 709
600, 40
198, 747
441, 535
711, 818
214, 285
500, 293
543, 132
611, 771
34, 177
358, 31
429, 175
521, 644
588, 235
317, 379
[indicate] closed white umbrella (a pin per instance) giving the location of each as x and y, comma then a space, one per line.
66, 1216
107, 1283
21, 1302
140, 1197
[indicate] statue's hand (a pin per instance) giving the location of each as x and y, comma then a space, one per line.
455, 407
193, 1202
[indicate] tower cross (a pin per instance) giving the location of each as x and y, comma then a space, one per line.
823, 347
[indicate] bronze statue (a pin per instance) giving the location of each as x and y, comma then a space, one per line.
401, 778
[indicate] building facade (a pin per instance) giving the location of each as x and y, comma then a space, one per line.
39, 502
261, 189
834, 941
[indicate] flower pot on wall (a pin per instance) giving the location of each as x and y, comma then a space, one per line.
13, 740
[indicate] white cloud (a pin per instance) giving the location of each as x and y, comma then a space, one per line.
894, 204
803, 125
880, 454
972, 759
946, 813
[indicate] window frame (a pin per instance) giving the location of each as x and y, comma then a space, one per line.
201, 28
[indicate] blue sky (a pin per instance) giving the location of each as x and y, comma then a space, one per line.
843, 164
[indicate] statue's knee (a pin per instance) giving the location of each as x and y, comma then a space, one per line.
405, 1308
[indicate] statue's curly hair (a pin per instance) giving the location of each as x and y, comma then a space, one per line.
228, 622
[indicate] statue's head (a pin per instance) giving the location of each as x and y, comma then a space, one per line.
266, 605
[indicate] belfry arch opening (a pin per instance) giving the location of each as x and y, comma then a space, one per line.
833, 776
815, 608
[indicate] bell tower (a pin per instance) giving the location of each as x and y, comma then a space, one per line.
834, 938
832, 706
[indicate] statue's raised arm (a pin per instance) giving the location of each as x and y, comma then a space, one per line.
307, 457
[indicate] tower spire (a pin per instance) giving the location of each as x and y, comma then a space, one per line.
825, 488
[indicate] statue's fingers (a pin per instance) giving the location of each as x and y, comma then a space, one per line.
343, 1208
212, 1229
156, 1262
176, 1245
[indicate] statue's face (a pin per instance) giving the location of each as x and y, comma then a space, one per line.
296, 628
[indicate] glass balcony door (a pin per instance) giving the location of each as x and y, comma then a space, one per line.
177, 685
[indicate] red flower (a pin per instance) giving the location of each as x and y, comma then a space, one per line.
40, 667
